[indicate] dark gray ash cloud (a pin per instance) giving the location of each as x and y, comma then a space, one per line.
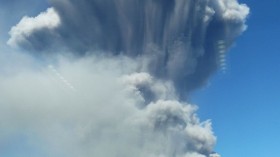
134, 63
178, 39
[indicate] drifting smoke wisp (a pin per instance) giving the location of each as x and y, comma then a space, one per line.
116, 76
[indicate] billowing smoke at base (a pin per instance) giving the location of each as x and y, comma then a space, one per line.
109, 78
102, 110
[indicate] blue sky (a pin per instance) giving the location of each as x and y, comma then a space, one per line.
244, 102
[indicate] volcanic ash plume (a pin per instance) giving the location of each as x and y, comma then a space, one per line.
109, 78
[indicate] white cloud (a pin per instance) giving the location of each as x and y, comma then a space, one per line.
232, 11
215, 155
47, 20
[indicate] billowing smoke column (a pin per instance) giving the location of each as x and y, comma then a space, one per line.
178, 38
121, 92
